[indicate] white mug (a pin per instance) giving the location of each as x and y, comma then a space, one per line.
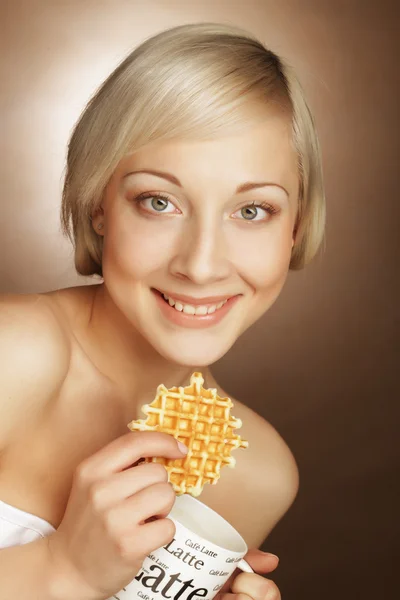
203, 554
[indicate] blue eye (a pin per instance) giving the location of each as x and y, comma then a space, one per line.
156, 203
159, 204
249, 213
255, 212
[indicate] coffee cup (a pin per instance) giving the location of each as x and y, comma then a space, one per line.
196, 563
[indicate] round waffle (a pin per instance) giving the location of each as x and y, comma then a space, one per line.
202, 421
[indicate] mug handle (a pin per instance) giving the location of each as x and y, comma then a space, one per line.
244, 566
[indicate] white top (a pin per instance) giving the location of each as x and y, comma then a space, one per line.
18, 527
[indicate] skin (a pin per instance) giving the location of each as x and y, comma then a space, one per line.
79, 363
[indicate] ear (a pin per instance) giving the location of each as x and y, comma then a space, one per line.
294, 234
98, 221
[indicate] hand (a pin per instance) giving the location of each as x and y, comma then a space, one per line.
249, 586
105, 534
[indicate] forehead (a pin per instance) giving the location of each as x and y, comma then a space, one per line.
260, 152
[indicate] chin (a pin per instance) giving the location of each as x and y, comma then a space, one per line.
190, 353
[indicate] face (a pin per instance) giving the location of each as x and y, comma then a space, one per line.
198, 238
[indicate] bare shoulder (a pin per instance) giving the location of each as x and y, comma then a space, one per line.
264, 482
34, 357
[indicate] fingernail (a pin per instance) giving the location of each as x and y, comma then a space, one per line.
272, 555
184, 449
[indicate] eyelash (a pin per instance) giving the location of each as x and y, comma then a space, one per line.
146, 195
268, 207
264, 205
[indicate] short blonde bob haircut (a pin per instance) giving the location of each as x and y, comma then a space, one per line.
196, 81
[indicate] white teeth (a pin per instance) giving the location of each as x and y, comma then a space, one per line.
189, 309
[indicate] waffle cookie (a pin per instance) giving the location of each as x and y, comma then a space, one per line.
202, 421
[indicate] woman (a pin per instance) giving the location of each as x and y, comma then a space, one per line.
193, 184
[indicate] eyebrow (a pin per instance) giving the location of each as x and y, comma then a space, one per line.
243, 187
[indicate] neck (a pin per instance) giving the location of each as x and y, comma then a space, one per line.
122, 354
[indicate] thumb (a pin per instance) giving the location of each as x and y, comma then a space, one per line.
261, 562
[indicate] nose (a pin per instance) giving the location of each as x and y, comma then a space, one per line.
202, 255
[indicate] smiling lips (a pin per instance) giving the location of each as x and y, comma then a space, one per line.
191, 309
191, 312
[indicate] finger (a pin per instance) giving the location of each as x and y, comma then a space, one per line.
226, 587
150, 537
154, 501
125, 451
108, 492
262, 562
256, 587
229, 596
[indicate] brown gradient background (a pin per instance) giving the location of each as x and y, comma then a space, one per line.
321, 364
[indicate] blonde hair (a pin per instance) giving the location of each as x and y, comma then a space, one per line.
192, 81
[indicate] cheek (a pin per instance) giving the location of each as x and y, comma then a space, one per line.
135, 249
263, 258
